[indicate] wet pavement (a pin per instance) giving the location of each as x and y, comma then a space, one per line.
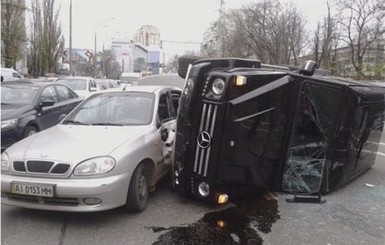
240, 223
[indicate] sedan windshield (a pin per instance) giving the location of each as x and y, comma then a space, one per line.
18, 94
75, 84
116, 109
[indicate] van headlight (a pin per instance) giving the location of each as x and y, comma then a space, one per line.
4, 161
204, 189
98, 165
218, 86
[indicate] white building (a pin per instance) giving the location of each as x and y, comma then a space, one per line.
132, 57
148, 35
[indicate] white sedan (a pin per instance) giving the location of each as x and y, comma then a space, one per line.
83, 86
110, 151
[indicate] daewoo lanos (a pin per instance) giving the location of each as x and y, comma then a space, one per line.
108, 152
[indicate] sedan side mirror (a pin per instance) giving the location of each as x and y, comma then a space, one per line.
164, 134
47, 103
61, 117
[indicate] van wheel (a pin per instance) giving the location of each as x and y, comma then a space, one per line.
138, 190
30, 130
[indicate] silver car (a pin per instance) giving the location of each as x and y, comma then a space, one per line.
110, 151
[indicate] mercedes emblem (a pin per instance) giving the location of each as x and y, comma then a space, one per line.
204, 140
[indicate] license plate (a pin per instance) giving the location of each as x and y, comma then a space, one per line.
33, 189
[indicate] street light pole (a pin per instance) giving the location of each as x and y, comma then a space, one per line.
95, 55
95, 52
70, 37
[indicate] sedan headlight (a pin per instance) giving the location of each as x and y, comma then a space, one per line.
218, 86
9, 123
98, 165
4, 161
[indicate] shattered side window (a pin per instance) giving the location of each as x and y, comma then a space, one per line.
314, 125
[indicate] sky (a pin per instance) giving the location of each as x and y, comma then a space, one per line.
177, 20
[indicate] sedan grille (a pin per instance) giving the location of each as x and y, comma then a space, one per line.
60, 168
19, 166
41, 167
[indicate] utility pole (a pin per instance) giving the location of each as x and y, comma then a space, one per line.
95, 52
95, 59
70, 37
223, 26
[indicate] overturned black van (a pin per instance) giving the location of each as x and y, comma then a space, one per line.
243, 124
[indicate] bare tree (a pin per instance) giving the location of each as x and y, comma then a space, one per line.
274, 33
111, 68
294, 32
46, 40
13, 34
172, 64
226, 37
35, 43
84, 69
211, 40
316, 45
257, 22
323, 40
362, 24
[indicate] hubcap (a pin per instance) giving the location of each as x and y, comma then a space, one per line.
142, 186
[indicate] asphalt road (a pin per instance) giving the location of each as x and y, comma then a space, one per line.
355, 214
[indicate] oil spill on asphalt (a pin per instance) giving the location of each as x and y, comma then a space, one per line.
234, 225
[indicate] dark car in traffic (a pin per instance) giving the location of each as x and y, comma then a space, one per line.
29, 107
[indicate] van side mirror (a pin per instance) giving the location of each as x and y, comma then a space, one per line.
184, 62
308, 68
93, 89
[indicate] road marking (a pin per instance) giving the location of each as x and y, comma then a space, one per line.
377, 143
373, 152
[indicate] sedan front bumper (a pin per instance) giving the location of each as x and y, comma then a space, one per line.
69, 193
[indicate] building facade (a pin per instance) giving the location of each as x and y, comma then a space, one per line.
148, 35
131, 56
141, 54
